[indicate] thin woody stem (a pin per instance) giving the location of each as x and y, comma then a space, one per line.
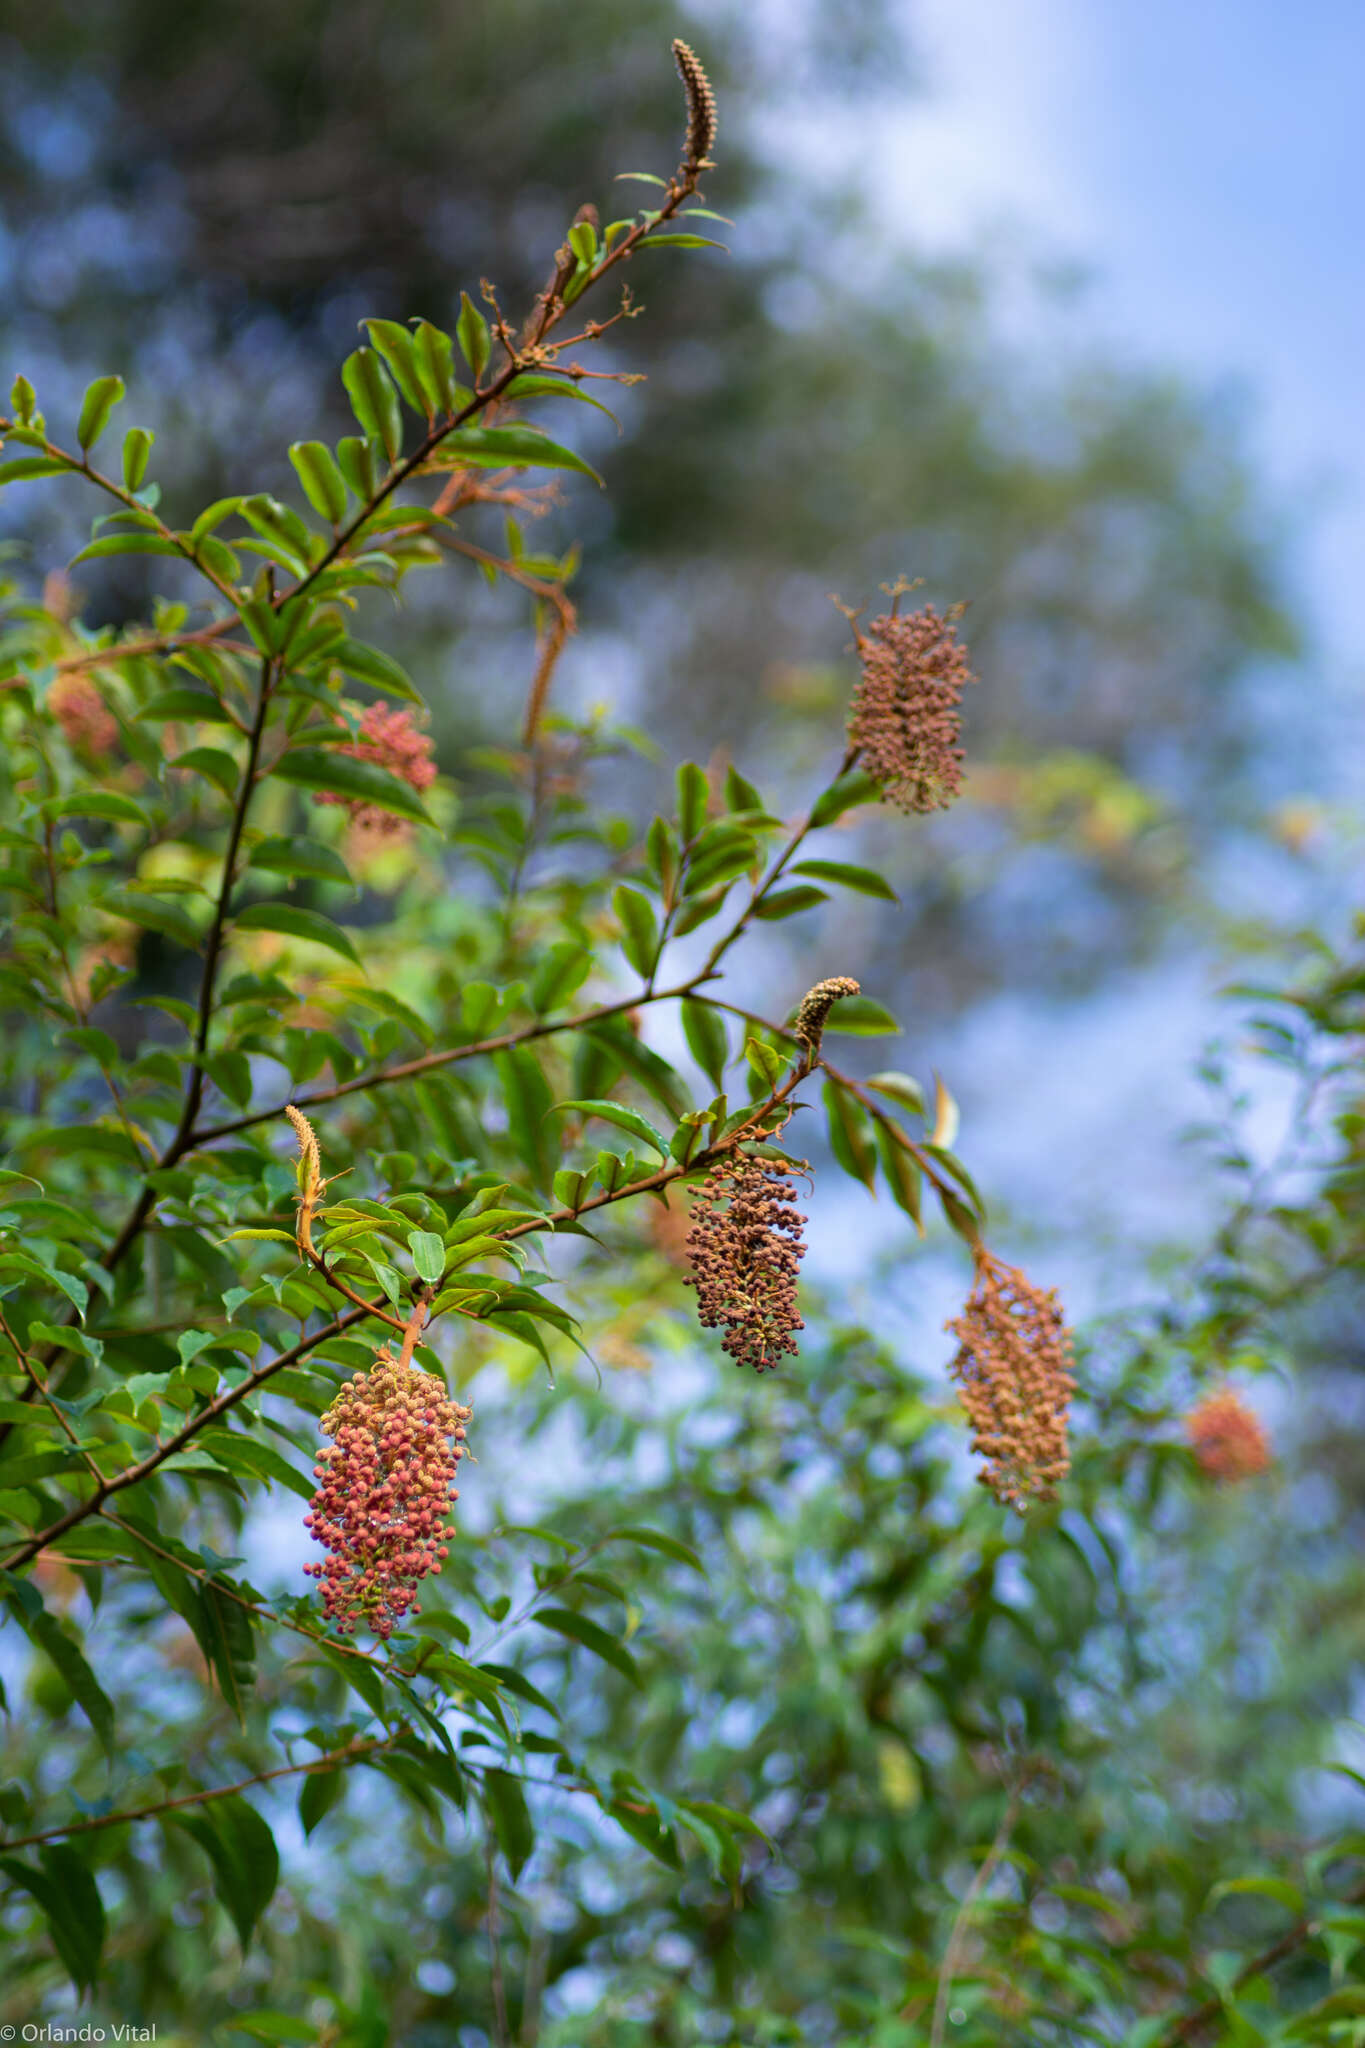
335, 1759
1214, 2009
952, 1954
448, 1056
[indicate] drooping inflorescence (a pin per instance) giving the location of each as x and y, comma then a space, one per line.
905, 718
1014, 1368
700, 139
745, 1248
1228, 1440
392, 741
385, 1488
84, 717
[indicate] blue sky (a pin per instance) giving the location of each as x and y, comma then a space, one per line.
1207, 161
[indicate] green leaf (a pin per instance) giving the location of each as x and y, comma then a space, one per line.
241, 1849
639, 933
183, 700
790, 902
47, 1635
848, 1136
212, 762
273, 2027
653, 1539
323, 484
435, 355
579, 1629
527, 1095
471, 331
693, 795
902, 1088
321, 1791
223, 1627
20, 467
901, 1173
508, 1811
297, 923
98, 803
1276, 1888
857, 787
707, 1040
624, 1118
100, 399
374, 400
395, 345
299, 857
767, 1062
137, 451
154, 913
865, 880
680, 242
860, 1017
357, 781
518, 446
428, 1255
529, 385
380, 670
126, 544
66, 1890
560, 972
361, 462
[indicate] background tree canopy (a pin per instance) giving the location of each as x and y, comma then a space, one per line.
738, 1712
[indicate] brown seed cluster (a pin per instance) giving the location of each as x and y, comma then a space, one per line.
700, 139
385, 1489
905, 718
816, 1005
88, 723
745, 1248
1014, 1367
1229, 1442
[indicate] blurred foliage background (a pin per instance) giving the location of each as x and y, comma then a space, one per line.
225, 193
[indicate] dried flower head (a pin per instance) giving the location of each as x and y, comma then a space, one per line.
745, 1247
1014, 1367
816, 1005
385, 1489
1229, 1441
905, 718
700, 138
392, 741
88, 723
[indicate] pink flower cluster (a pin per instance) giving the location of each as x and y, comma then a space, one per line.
385, 1489
88, 723
391, 741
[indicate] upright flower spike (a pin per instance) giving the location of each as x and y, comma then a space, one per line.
1228, 1440
905, 718
816, 1005
700, 138
1013, 1366
745, 1248
385, 1488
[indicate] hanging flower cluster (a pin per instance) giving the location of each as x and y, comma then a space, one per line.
905, 718
1014, 1368
385, 1490
1229, 1442
391, 740
745, 1248
88, 723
